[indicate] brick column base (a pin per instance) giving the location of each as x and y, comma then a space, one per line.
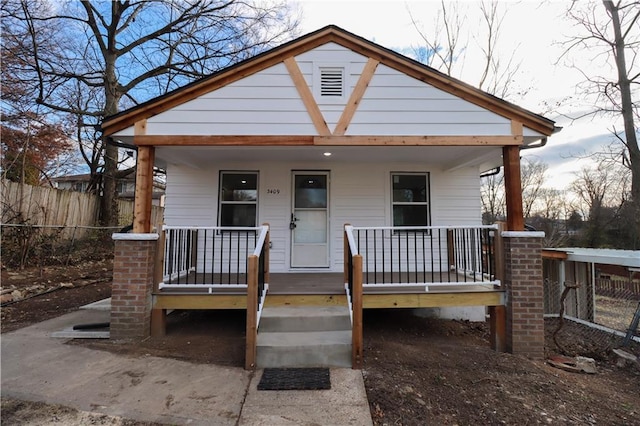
525, 293
132, 285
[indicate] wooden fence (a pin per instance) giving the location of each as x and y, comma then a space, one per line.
44, 206
618, 288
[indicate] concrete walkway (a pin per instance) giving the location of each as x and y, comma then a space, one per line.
37, 367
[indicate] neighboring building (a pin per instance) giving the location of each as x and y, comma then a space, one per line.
125, 187
322, 131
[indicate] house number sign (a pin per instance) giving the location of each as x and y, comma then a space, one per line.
274, 191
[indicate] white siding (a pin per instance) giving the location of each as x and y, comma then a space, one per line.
396, 104
267, 103
359, 195
261, 104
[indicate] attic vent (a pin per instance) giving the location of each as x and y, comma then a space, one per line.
331, 82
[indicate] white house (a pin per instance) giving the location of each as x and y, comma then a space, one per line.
327, 130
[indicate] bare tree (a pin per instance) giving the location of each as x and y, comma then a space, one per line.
610, 34
600, 193
441, 50
533, 176
123, 52
446, 45
492, 196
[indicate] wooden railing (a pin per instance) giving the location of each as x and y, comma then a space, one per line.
353, 287
257, 287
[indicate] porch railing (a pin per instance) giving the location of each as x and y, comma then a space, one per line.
353, 287
427, 256
257, 287
209, 257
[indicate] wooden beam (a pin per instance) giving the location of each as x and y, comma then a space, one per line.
239, 140
309, 140
140, 127
516, 128
498, 328
307, 97
279, 300
433, 300
158, 322
513, 188
553, 254
200, 301
356, 97
144, 182
415, 140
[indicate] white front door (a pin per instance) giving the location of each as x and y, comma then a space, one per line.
310, 220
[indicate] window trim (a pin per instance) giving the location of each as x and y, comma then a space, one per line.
427, 203
221, 202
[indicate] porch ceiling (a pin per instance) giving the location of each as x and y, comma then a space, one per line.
444, 157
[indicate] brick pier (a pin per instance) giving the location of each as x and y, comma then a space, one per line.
132, 285
525, 293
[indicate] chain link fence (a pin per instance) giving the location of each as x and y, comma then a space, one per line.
586, 316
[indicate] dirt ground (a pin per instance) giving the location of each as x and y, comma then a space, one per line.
417, 370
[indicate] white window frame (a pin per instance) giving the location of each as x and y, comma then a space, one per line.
222, 202
426, 203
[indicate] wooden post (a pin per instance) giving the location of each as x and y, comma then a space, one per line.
345, 253
356, 304
158, 316
513, 187
498, 250
498, 328
497, 314
267, 242
252, 313
451, 250
144, 190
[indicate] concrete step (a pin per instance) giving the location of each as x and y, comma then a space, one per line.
304, 349
308, 318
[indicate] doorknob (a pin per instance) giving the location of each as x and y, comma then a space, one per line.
292, 224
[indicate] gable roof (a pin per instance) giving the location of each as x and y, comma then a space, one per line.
308, 42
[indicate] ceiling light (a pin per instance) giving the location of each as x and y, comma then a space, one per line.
327, 154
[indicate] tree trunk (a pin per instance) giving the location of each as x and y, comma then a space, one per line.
109, 206
627, 112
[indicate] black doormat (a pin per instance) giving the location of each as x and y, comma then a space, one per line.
295, 379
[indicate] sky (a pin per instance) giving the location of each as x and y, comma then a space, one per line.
531, 30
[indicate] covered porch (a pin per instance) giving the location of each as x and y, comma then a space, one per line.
410, 267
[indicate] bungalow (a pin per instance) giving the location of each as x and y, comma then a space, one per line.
328, 171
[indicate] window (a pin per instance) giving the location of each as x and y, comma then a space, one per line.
410, 199
238, 199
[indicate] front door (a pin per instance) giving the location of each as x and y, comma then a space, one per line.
310, 220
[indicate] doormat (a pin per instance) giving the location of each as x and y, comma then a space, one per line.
295, 379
